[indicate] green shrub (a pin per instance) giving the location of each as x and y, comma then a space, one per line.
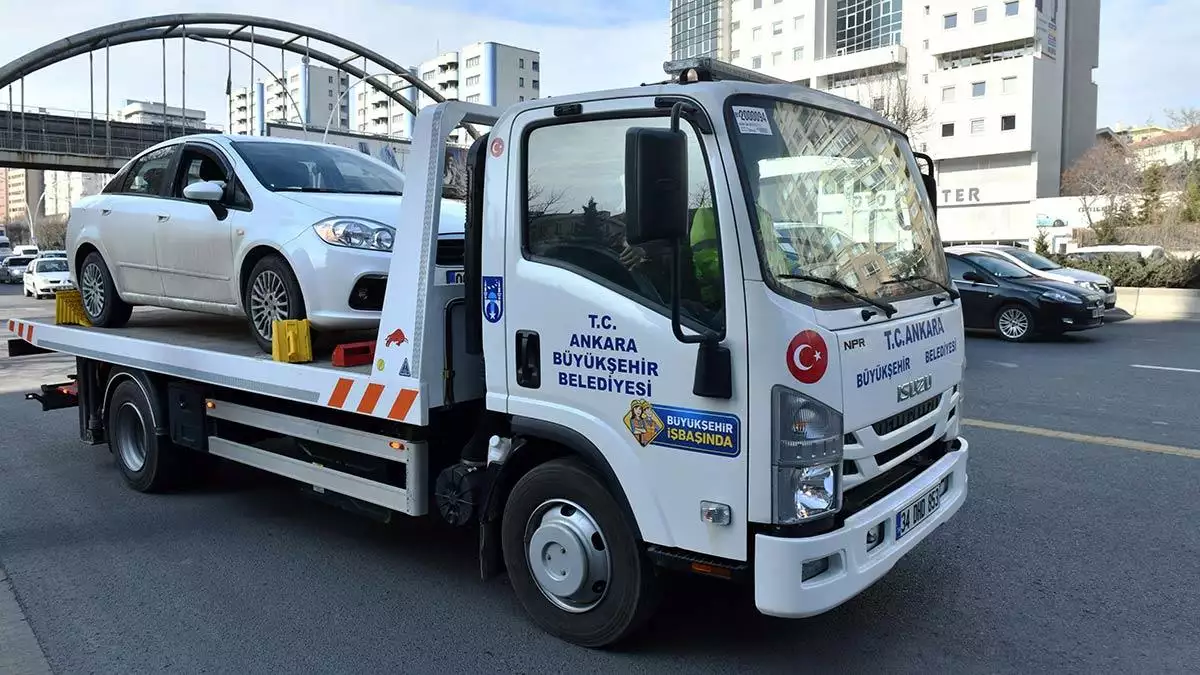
1169, 272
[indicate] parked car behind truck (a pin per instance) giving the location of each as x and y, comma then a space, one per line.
1043, 267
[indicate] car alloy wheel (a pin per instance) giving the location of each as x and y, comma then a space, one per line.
1014, 323
268, 302
91, 289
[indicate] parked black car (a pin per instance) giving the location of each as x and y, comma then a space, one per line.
998, 295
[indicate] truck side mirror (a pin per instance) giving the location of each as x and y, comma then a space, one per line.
928, 179
656, 199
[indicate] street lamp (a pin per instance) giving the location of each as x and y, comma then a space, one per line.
281, 81
338, 103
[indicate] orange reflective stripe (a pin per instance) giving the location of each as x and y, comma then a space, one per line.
403, 404
29, 334
340, 391
21, 330
370, 398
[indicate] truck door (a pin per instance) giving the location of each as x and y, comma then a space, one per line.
587, 325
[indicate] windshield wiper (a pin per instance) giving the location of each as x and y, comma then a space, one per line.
886, 306
954, 294
303, 188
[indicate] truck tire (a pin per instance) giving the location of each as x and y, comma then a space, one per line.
573, 558
271, 292
148, 462
98, 293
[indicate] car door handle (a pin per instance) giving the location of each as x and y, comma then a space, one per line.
105, 212
163, 217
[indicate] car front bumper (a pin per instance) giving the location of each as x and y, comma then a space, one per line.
778, 586
1058, 317
328, 274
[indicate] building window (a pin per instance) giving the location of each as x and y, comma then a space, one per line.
861, 25
521, 63
473, 98
977, 126
978, 89
756, 62
950, 21
576, 220
776, 58
797, 53
473, 62
331, 106
757, 4
330, 79
735, 25
331, 92
1011, 8
428, 75
980, 14
925, 78
535, 66
925, 44
534, 84
777, 28
520, 82
733, 55
948, 94
1008, 85
1008, 122
756, 33
473, 80
798, 23
877, 104
948, 130
519, 98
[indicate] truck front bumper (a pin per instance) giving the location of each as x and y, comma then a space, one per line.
778, 587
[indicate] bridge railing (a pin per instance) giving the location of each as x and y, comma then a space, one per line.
66, 144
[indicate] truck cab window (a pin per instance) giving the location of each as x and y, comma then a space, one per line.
575, 217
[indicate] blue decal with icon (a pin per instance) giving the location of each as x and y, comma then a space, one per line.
454, 277
687, 429
493, 298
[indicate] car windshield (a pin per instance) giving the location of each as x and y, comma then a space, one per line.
838, 198
18, 262
304, 167
1032, 259
52, 265
998, 267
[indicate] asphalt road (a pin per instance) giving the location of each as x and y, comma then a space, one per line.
1071, 554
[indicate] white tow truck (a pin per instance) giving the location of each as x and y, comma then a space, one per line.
627, 376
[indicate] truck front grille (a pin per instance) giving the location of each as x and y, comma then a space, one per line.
906, 417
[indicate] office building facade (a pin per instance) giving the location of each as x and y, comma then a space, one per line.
999, 92
304, 94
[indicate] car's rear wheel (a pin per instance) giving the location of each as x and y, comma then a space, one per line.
101, 304
1015, 323
271, 294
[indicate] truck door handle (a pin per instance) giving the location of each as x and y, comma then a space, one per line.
163, 217
529, 356
105, 212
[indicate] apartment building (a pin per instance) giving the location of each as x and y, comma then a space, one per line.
23, 193
303, 94
153, 112
64, 188
1000, 92
489, 73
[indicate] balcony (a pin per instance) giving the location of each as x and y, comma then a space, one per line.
884, 58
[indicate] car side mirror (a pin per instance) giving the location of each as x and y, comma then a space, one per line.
975, 277
656, 197
205, 191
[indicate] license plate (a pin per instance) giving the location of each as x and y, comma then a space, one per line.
916, 512
1097, 313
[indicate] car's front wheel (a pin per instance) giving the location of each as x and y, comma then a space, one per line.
271, 294
1015, 323
101, 304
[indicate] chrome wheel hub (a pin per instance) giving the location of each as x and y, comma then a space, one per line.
91, 289
1014, 323
568, 555
268, 302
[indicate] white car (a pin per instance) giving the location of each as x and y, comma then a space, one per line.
46, 276
243, 225
1045, 268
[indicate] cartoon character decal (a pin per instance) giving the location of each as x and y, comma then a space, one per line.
643, 422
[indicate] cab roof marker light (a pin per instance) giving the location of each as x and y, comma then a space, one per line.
708, 69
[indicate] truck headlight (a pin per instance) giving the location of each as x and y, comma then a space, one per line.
806, 441
356, 233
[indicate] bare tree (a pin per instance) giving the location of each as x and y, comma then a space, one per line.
540, 201
892, 97
1103, 177
52, 232
1183, 118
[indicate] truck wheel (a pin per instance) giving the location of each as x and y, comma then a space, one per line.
271, 292
147, 462
573, 558
104, 308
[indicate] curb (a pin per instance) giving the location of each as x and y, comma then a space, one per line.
1159, 303
20, 652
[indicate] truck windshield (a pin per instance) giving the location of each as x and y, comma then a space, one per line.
834, 197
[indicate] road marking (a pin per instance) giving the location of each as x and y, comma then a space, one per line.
1004, 364
1174, 370
1125, 443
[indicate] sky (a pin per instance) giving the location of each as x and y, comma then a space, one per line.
1147, 59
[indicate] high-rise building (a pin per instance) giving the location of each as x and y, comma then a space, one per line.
151, 112
303, 94
24, 194
999, 92
64, 188
484, 72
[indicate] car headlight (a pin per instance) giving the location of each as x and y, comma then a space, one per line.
806, 441
356, 233
1059, 296
1090, 285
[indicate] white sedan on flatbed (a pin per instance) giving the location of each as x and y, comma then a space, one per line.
242, 225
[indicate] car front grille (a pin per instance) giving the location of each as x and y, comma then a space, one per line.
906, 417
